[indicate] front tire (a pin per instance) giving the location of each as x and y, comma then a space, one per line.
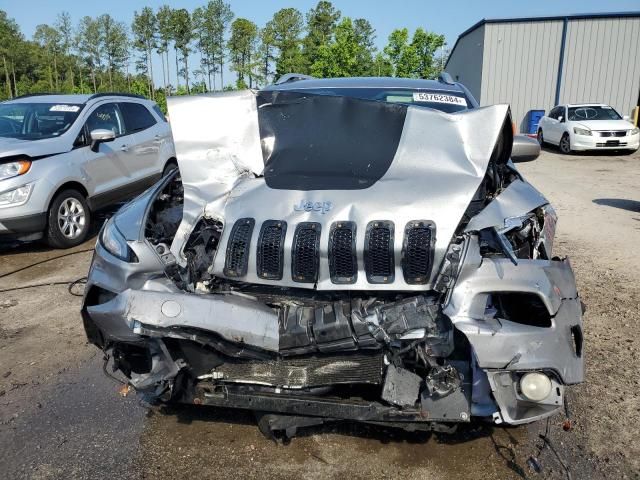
68, 220
565, 144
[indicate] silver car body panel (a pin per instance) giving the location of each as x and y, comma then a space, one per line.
519, 198
220, 158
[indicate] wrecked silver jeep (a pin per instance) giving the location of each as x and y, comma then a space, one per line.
323, 257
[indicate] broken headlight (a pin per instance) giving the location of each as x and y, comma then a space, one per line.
113, 241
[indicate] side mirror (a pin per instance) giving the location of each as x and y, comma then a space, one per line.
525, 149
627, 118
561, 119
99, 136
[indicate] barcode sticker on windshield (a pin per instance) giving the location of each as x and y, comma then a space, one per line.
438, 98
64, 108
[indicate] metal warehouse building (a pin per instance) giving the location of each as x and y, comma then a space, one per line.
536, 63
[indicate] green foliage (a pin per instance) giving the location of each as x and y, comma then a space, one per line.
321, 24
414, 59
286, 29
100, 54
242, 50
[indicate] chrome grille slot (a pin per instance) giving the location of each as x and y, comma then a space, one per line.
270, 249
305, 254
417, 251
378, 252
237, 258
343, 262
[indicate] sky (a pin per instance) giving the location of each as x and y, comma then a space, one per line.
448, 17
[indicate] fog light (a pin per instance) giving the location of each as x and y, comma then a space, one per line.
535, 386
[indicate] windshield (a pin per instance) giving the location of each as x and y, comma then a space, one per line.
35, 121
443, 100
593, 113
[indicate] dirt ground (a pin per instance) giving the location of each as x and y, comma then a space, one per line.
60, 417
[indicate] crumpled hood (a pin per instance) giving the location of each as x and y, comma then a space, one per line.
224, 146
10, 147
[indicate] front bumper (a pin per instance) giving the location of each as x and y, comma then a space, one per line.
133, 306
31, 216
595, 142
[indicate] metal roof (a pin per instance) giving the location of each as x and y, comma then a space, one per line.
574, 16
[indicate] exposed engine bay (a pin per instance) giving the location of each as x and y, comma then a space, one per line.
389, 299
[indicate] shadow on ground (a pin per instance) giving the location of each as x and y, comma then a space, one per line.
622, 203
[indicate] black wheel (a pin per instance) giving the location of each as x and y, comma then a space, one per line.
169, 167
565, 144
68, 220
540, 138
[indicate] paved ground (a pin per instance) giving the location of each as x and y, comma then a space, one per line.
60, 417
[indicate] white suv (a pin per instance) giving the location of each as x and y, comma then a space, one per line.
588, 126
64, 156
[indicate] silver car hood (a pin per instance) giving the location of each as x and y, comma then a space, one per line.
10, 147
439, 164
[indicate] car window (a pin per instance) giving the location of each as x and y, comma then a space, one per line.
555, 112
156, 109
35, 121
106, 117
593, 113
136, 117
444, 100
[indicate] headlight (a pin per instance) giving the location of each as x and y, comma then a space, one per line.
635, 131
113, 241
581, 131
15, 197
535, 386
13, 169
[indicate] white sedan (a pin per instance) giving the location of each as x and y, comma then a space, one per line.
592, 126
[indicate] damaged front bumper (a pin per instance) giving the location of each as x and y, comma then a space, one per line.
416, 363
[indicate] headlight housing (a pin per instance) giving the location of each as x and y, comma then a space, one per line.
114, 243
582, 131
14, 169
635, 131
16, 196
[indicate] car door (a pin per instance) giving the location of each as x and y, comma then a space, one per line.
145, 165
107, 165
553, 126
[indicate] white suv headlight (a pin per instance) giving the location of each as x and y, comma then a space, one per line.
581, 131
15, 197
13, 169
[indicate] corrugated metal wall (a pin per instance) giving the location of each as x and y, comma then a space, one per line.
467, 68
602, 63
519, 63
520, 66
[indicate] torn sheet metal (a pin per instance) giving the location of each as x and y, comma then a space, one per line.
235, 319
437, 166
518, 199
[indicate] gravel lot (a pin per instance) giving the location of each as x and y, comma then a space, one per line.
60, 417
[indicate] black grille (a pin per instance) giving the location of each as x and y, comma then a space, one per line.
270, 249
417, 248
378, 252
237, 259
614, 133
343, 263
305, 255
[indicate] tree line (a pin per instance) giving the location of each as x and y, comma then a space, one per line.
99, 54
